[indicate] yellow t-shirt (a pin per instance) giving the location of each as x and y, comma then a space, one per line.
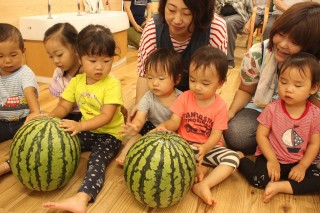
91, 98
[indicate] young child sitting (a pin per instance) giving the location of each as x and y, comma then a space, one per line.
59, 41
200, 116
18, 87
98, 95
163, 72
288, 134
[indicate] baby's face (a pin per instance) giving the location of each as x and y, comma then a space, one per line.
294, 87
11, 57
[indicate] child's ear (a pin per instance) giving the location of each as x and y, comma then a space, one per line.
178, 79
79, 58
221, 84
315, 89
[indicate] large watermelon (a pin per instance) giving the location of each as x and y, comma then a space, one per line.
159, 169
43, 156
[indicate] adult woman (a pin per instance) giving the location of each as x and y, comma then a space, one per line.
182, 25
297, 30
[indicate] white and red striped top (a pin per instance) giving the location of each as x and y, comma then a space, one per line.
148, 44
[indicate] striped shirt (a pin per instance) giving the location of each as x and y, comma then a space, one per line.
13, 103
148, 44
289, 138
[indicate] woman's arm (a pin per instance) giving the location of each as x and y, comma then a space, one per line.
241, 99
149, 11
280, 5
135, 25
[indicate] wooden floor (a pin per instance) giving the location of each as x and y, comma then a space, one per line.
233, 195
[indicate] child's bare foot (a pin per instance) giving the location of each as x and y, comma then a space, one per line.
4, 167
77, 203
270, 191
122, 156
240, 154
201, 172
203, 191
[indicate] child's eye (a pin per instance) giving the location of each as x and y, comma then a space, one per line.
60, 55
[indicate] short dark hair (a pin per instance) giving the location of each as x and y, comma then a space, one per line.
202, 12
10, 32
304, 62
302, 23
168, 60
207, 56
95, 40
64, 31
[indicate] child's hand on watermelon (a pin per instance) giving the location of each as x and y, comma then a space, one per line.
71, 126
31, 116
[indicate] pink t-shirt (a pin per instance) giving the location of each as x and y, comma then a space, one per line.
289, 138
197, 122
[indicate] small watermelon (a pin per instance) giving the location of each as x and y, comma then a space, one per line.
43, 156
159, 169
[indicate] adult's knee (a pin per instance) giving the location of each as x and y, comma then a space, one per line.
241, 132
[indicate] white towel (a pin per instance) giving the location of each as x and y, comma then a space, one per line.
92, 5
268, 78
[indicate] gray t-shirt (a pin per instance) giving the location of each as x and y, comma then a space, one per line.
157, 112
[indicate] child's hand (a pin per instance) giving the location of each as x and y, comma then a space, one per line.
273, 170
202, 152
129, 129
297, 173
159, 128
132, 114
31, 116
71, 126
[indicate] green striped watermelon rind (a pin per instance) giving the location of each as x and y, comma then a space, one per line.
39, 170
145, 177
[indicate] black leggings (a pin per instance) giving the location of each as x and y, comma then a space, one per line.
103, 148
257, 175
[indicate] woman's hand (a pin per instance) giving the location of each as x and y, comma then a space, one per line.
273, 170
71, 126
